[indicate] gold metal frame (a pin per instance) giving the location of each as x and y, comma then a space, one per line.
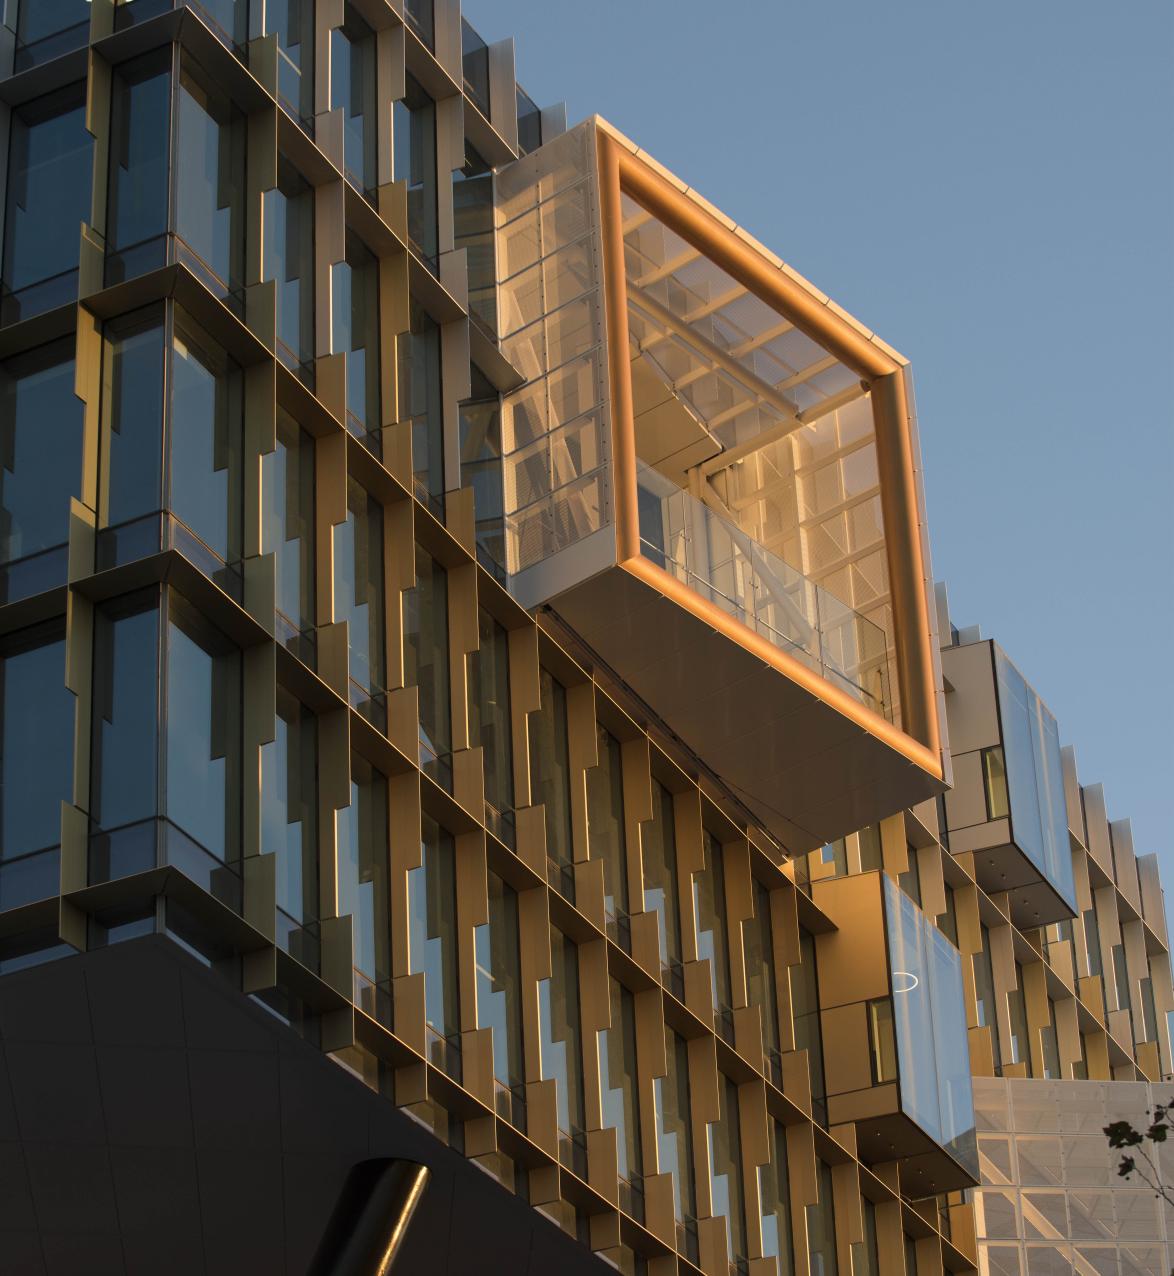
621, 172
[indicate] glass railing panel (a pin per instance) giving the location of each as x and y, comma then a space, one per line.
718, 561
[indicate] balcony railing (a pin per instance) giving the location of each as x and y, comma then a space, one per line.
721, 563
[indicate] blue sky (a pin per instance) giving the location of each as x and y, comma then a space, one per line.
991, 188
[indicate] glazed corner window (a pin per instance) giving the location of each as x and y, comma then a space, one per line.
550, 778
289, 263
432, 944
36, 766
562, 1048
490, 723
50, 172
287, 530
364, 886
499, 997
606, 831
414, 124
352, 90
418, 353
45, 29
289, 824
359, 594
661, 888
41, 422
994, 778
426, 664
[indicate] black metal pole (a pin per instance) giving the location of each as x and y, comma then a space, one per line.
370, 1218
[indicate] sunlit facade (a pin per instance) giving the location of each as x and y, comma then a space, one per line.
466, 617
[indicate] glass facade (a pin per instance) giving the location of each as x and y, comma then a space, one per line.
674, 1140
499, 996
353, 92
490, 725
1035, 779
480, 438
821, 1224
761, 981
929, 1017
725, 1169
805, 1008
355, 314
414, 132
287, 531
774, 1194
418, 352
562, 1048
137, 190
713, 943
359, 598
621, 1098
288, 222
50, 169
45, 29
661, 885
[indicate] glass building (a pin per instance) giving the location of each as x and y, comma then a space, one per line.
471, 689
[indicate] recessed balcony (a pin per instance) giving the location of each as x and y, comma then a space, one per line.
709, 474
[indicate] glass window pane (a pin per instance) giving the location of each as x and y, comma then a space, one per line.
709, 908
661, 887
206, 443
352, 89
761, 983
499, 984
418, 352
364, 885
821, 1224
210, 178
287, 522
140, 146
674, 1128
561, 1043
414, 125
289, 262
47, 28
36, 766
725, 1168
432, 938
774, 1184
605, 825
355, 311
289, 810
490, 724
50, 170
132, 409
805, 1007
617, 1074
426, 663
41, 423
292, 21
359, 588
550, 768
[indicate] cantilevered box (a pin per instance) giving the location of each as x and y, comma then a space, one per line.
895, 1049
711, 474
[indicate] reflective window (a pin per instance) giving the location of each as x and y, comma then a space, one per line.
562, 1047
499, 996
206, 443
473, 230
821, 1224
805, 1008
984, 991
621, 1097
124, 748
355, 311
1092, 942
761, 983
480, 428
1050, 1045
774, 1187
994, 777
475, 62
359, 597
289, 262
203, 750
426, 663
414, 123
867, 1251
882, 1040
661, 887
929, 1020
550, 777
41, 421
229, 19
490, 724
364, 886
674, 1139
529, 122
131, 478
606, 830
140, 144
352, 90
870, 848
210, 179
47, 28
1035, 779
432, 943
725, 1169
289, 824
287, 526
50, 173
1017, 1009
709, 909
292, 21
36, 765
418, 352
420, 13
